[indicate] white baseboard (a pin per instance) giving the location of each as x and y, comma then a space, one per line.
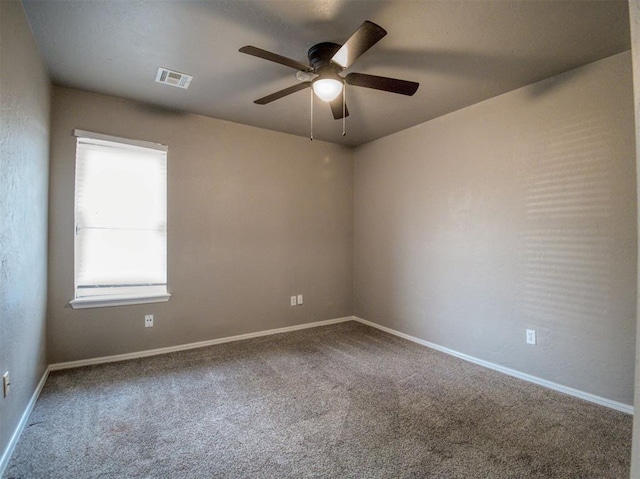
511, 372
6, 455
184, 347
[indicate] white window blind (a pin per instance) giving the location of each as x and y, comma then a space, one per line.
121, 218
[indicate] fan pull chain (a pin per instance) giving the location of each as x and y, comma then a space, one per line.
311, 135
344, 110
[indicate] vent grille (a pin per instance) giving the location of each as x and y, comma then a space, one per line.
173, 78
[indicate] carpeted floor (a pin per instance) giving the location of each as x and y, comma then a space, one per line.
338, 401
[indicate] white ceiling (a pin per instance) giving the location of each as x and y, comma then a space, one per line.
461, 52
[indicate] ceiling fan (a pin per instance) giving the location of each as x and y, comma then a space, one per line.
327, 62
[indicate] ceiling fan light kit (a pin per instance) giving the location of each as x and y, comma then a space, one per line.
327, 89
326, 62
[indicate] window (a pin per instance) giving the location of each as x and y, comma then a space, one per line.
120, 221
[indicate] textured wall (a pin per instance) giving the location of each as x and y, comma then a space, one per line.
634, 17
254, 217
24, 160
518, 212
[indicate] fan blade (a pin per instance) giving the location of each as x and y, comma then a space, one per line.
282, 93
367, 35
392, 85
274, 57
336, 108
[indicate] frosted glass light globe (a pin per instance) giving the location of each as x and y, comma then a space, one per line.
327, 89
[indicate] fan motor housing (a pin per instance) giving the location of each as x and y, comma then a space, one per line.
321, 53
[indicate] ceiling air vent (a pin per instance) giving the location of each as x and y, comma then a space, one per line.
170, 77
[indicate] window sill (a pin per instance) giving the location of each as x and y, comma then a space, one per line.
105, 302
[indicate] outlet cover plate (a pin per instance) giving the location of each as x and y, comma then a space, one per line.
531, 336
5, 384
148, 321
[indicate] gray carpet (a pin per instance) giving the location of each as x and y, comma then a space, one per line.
338, 401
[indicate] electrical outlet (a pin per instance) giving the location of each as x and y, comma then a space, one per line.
299, 299
148, 321
531, 336
293, 301
5, 384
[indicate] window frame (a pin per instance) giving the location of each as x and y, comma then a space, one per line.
117, 299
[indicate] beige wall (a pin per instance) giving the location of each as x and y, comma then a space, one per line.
634, 17
518, 212
254, 217
24, 160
